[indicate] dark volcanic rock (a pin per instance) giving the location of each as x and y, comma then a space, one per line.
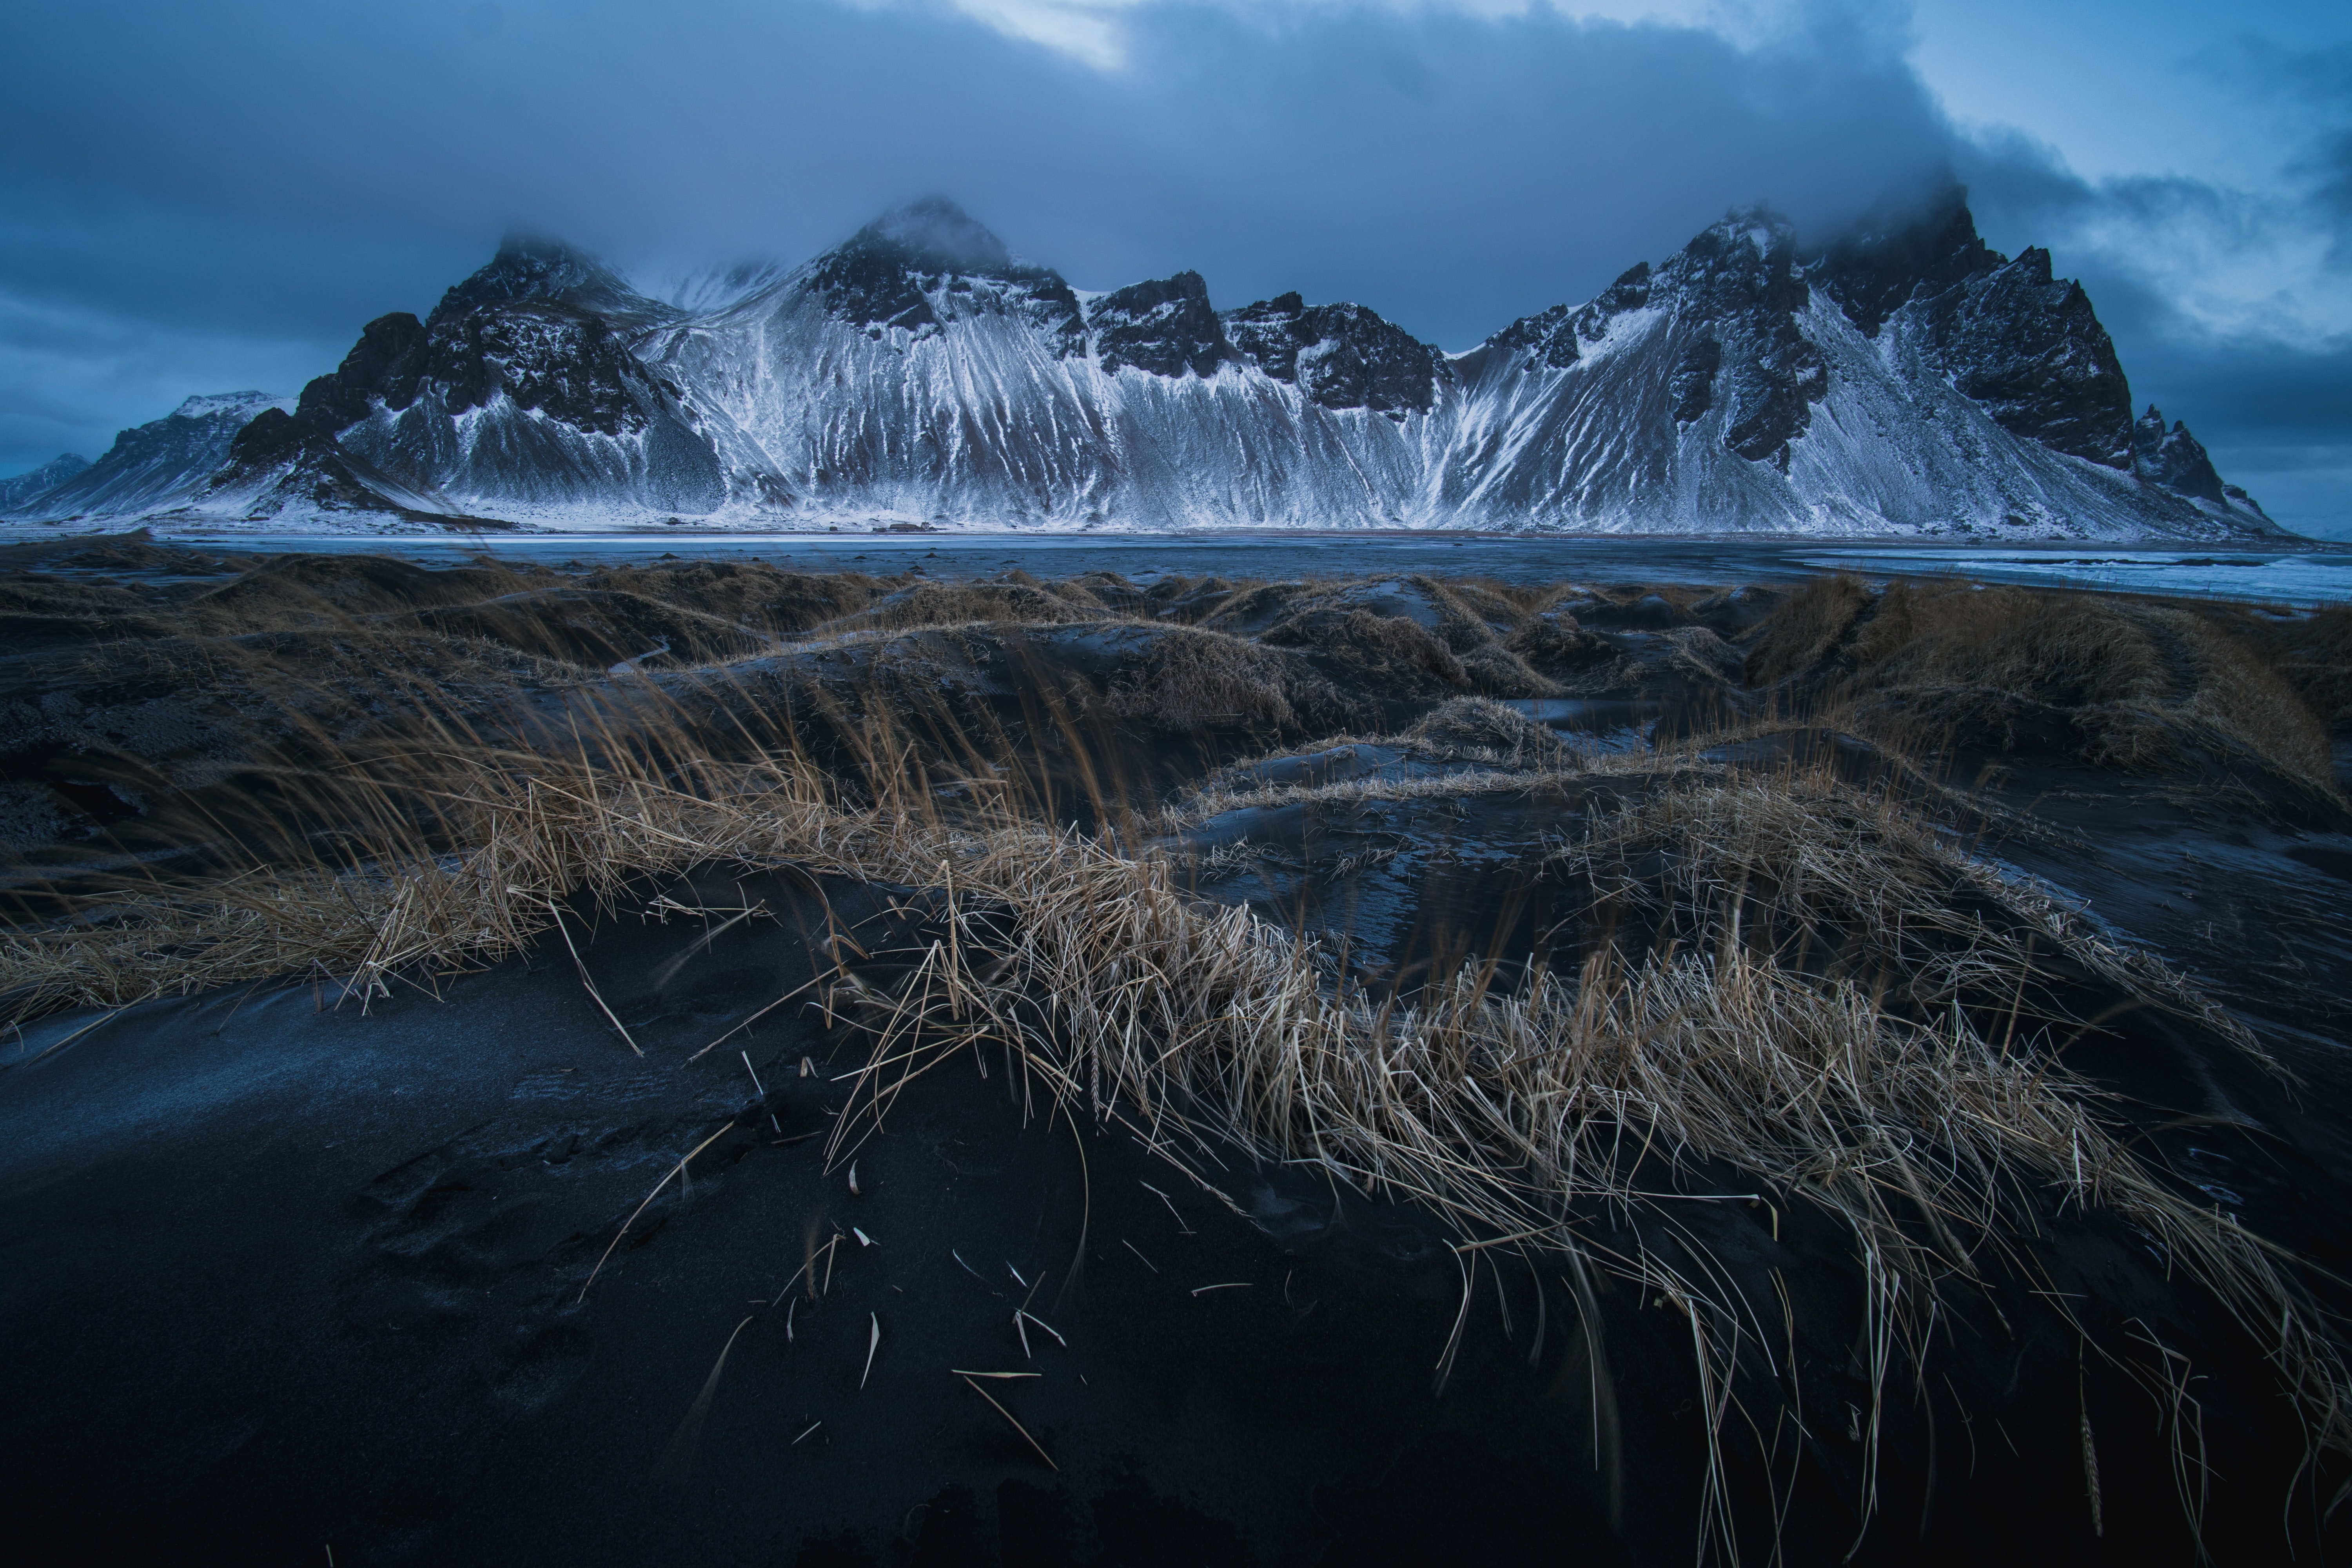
889, 273
1270, 334
1553, 336
1746, 262
2176, 460
1543, 334
542, 385
1693, 385
2027, 346
528, 268
1166, 326
1740, 277
1896, 253
543, 355
1548, 336
388, 361
533, 325
271, 434
387, 364
540, 328
571, 367
1341, 356
2031, 349
1772, 395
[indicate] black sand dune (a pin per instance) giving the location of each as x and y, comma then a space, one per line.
302, 1276
451, 1273
399, 1361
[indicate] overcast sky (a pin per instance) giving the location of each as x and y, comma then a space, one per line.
208, 198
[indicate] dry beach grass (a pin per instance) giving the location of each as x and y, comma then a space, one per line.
1835, 1004
1512, 1112
2122, 683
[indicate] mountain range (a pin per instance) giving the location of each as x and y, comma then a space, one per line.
1906, 379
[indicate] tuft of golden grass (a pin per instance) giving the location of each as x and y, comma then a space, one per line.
1394, 649
965, 604
1826, 875
1518, 1115
1499, 672
1510, 1113
2118, 682
1806, 627
1197, 680
2312, 653
1553, 641
1483, 726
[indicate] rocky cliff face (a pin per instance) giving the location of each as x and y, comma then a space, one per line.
2026, 346
1741, 278
1906, 379
1557, 337
521, 385
2176, 460
919, 268
1909, 335
1166, 327
1339, 356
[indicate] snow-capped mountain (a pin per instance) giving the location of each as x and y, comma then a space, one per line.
1908, 379
520, 393
154, 465
31, 485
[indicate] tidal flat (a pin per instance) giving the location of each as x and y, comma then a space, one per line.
725, 1060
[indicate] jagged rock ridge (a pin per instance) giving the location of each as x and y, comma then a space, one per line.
886, 274
1906, 379
520, 388
1340, 356
1949, 375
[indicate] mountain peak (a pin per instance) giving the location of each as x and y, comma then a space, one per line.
2176, 460
1166, 326
1910, 243
530, 267
937, 235
1759, 223
919, 370
247, 403
18, 489
877, 279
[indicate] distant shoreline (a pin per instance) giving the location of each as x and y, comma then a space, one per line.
2299, 575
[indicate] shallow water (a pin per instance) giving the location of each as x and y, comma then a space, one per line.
2301, 575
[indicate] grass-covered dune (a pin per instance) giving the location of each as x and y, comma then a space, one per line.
534, 1065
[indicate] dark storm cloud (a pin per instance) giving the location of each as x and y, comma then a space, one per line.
220, 196
2319, 83
1448, 170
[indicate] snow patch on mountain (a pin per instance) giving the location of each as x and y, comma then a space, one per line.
155, 465
28, 487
